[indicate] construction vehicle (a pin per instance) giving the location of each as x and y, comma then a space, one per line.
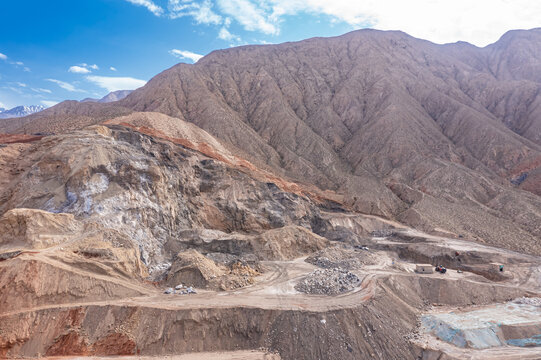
441, 269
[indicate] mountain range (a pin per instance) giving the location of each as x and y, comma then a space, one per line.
20, 111
446, 138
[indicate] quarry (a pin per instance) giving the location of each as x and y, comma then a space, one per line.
367, 196
363, 285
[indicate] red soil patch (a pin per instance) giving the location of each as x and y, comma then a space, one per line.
525, 167
69, 344
114, 344
18, 138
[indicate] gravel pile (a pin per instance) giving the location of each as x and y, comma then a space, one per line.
535, 301
328, 282
343, 258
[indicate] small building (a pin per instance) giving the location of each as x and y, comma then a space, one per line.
424, 269
496, 267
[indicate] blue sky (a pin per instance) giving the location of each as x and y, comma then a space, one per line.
72, 49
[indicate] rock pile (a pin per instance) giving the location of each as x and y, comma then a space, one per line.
328, 282
180, 290
535, 301
341, 257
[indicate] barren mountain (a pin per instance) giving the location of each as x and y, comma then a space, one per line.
437, 136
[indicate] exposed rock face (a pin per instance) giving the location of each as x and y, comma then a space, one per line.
431, 135
150, 191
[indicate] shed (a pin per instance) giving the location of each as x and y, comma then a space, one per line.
424, 269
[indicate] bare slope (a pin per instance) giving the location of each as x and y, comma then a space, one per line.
428, 134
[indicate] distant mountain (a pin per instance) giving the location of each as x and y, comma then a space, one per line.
111, 97
20, 111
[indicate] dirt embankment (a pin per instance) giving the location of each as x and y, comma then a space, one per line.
366, 331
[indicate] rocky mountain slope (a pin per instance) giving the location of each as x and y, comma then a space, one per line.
442, 137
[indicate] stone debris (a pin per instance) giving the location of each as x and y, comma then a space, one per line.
533, 301
328, 282
180, 290
341, 257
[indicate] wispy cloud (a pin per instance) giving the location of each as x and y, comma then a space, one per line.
187, 55
49, 103
78, 70
13, 89
41, 90
64, 85
201, 11
112, 68
116, 83
150, 5
21, 84
17, 64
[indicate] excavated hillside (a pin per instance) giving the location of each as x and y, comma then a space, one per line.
147, 236
440, 137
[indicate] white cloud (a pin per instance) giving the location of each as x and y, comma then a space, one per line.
64, 85
112, 68
26, 69
19, 63
2, 105
49, 103
94, 67
480, 22
3, 57
41, 90
184, 54
150, 5
252, 15
21, 84
116, 83
201, 11
78, 69
224, 34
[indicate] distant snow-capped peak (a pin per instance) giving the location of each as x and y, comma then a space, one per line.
20, 111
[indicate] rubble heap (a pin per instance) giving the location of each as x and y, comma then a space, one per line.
328, 282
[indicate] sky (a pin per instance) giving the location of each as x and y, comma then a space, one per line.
55, 50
